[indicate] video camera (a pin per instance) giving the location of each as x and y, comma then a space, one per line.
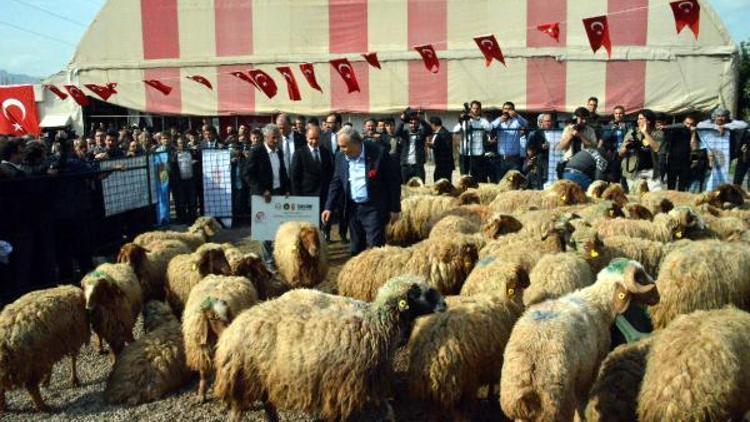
465, 116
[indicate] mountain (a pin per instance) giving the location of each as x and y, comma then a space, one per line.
13, 78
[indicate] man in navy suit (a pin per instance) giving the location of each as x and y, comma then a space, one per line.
312, 168
367, 183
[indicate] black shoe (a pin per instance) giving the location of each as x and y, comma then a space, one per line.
344, 239
328, 237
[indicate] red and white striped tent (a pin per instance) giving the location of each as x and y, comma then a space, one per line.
168, 40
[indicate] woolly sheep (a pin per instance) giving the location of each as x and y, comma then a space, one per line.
199, 233
445, 264
494, 274
300, 254
441, 187
702, 275
596, 189
490, 228
185, 271
635, 211
113, 300
664, 228
699, 369
487, 192
251, 266
154, 365
211, 307
150, 265
724, 196
555, 348
416, 212
453, 353
555, 275
36, 331
561, 193
342, 353
615, 193
466, 182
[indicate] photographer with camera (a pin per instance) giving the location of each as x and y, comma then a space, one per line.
474, 130
412, 141
639, 152
509, 128
576, 135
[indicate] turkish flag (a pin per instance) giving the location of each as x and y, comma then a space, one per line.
429, 57
264, 82
309, 71
243, 76
102, 91
372, 58
597, 30
201, 80
687, 13
490, 48
159, 86
551, 29
346, 71
77, 95
291, 83
18, 111
55, 90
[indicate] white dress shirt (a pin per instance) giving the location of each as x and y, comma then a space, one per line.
273, 155
288, 144
358, 177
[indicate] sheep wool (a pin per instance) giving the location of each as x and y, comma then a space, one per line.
416, 212
492, 275
150, 265
355, 340
186, 271
154, 365
300, 254
36, 331
699, 369
211, 307
561, 193
556, 275
199, 233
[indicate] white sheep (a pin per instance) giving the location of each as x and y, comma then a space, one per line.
199, 233
186, 271
150, 265
301, 254
555, 275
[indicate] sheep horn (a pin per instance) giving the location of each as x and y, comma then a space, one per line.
631, 276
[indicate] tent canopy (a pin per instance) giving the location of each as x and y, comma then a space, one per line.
168, 40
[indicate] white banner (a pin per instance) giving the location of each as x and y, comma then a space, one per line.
128, 189
217, 185
267, 217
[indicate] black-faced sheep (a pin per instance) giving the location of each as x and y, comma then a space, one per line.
342, 353
113, 300
36, 331
555, 348
150, 265
699, 369
154, 365
185, 271
202, 230
300, 254
211, 307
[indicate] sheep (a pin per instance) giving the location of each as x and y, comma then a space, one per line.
211, 307
113, 300
596, 189
154, 365
452, 225
441, 187
416, 212
342, 353
555, 348
444, 263
664, 228
150, 265
721, 228
466, 182
487, 192
724, 196
598, 211
702, 275
202, 230
554, 239
453, 353
614, 395
635, 211
251, 266
493, 274
699, 369
185, 271
300, 254
555, 275
562, 192
615, 193
36, 331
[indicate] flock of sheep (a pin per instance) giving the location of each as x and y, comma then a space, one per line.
542, 300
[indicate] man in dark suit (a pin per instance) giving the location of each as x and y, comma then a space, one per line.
366, 182
290, 140
331, 125
265, 175
412, 141
441, 143
312, 169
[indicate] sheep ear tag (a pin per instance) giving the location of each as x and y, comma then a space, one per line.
195, 267
678, 235
403, 305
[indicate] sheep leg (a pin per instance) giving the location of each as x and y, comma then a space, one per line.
202, 388
2, 402
100, 345
74, 372
270, 409
236, 414
36, 396
47, 378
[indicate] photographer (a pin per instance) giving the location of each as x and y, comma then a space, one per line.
412, 141
576, 136
509, 128
639, 152
474, 130
584, 167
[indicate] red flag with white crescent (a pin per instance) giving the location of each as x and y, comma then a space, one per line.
429, 57
291, 83
551, 29
687, 13
18, 111
243, 76
597, 29
55, 90
77, 95
372, 58
103, 91
490, 48
201, 80
346, 71
263, 82
159, 86
308, 70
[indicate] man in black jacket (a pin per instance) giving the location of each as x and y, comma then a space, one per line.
412, 141
366, 183
441, 143
312, 169
331, 125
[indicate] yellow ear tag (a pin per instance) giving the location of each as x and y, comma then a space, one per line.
621, 296
611, 213
511, 292
195, 267
402, 305
678, 235
564, 197
594, 253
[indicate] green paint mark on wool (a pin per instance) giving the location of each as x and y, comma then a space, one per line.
618, 265
487, 260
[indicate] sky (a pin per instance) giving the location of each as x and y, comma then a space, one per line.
38, 37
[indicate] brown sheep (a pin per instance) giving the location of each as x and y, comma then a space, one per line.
300, 254
596, 189
150, 265
561, 193
251, 266
616, 194
635, 211
185, 271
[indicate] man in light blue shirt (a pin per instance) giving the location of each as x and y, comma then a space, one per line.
357, 177
508, 128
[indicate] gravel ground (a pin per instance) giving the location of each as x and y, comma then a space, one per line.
86, 403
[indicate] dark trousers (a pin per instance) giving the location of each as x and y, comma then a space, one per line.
740, 171
266, 251
501, 165
185, 200
366, 227
442, 173
412, 170
678, 178
463, 164
477, 167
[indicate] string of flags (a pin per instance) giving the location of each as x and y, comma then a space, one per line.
686, 14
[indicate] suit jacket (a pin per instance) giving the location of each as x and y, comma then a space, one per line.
404, 135
443, 149
258, 173
309, 177
383, 182
325, 142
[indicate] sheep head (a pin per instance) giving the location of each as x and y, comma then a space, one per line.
515, 286
98, 290
725, 196
685, 220
213, 261
252, 267
586, 241
308, 240
615, 193
596, 189
514, 180
609, 209
637, 211
207, 226
410, 297
562, 229
635, 285
468, 198
415, 182
501, 224
664, 205
444, 187
216, 317
567, 193
641, 188
465, 182
132, 254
